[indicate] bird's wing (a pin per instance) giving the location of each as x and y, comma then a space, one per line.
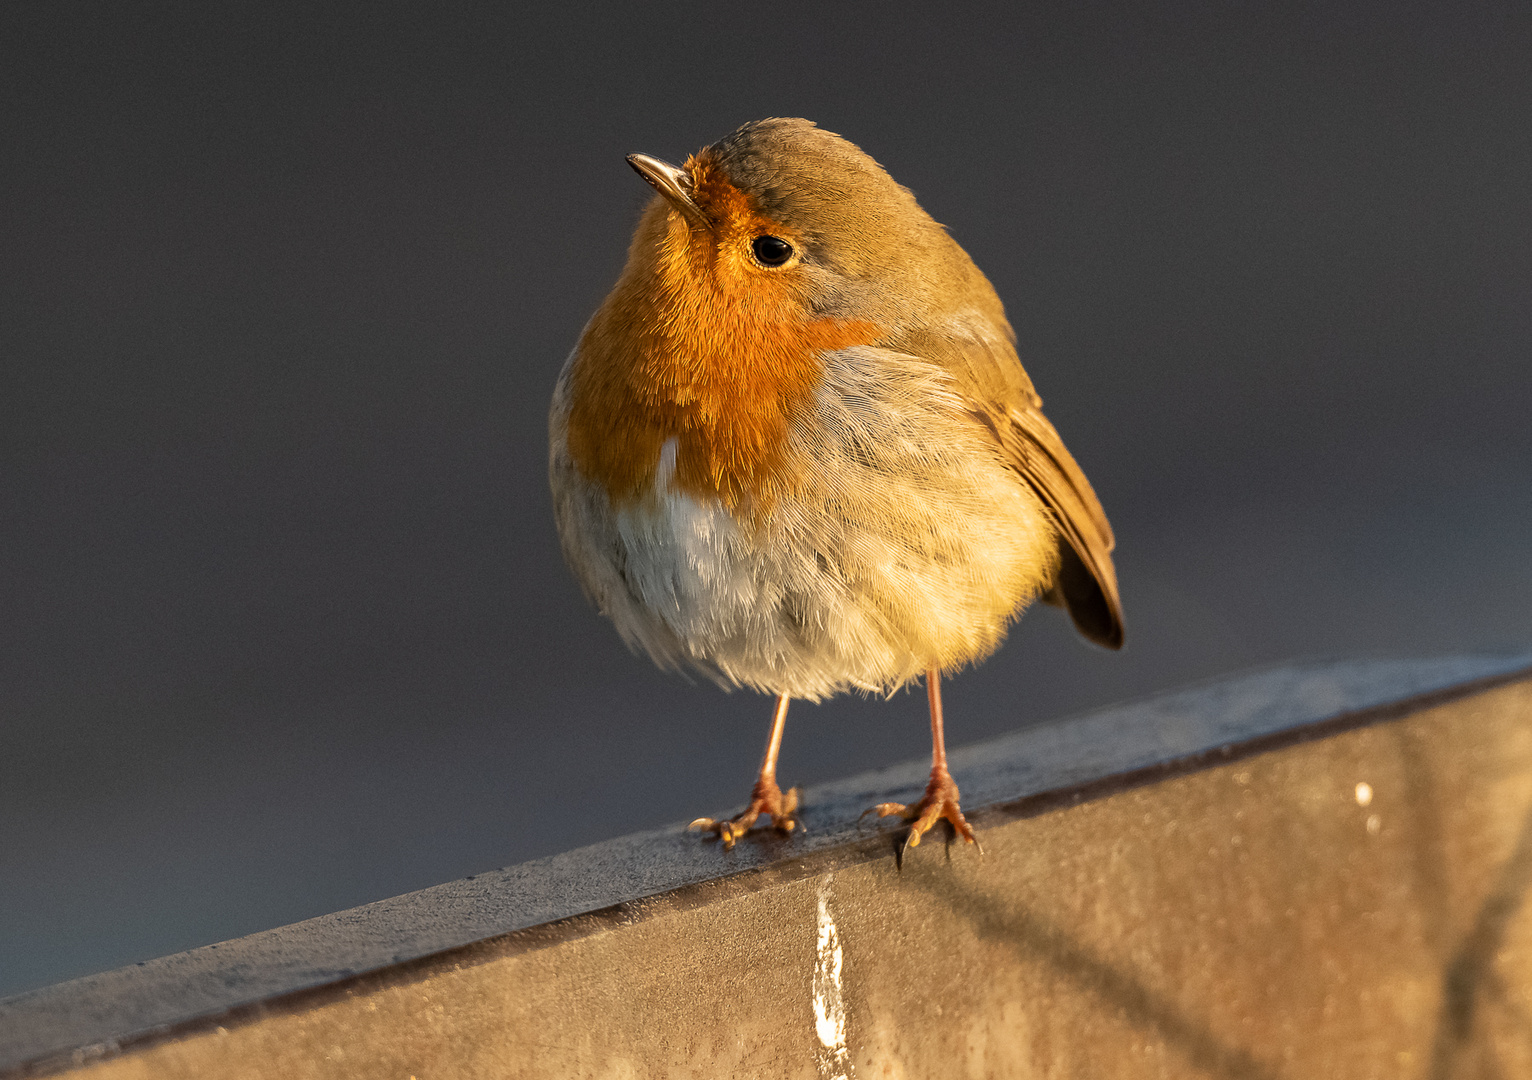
1087, 582
990, 376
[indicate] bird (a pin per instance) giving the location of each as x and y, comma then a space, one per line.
794, 449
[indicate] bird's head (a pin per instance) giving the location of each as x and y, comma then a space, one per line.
781, 209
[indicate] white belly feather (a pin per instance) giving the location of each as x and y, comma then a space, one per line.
913, 546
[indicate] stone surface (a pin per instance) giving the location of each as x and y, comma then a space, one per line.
1334, 899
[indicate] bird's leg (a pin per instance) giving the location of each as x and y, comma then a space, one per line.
765, 797
941, 797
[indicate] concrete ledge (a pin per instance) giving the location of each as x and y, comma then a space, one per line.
1191, 885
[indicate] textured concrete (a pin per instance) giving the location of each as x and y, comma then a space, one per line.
1300, 873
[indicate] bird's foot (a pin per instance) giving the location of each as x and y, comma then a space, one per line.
939, 803
765, 798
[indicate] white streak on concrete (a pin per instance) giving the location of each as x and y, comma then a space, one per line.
829, 1004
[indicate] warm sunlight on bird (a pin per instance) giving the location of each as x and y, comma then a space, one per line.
795, 449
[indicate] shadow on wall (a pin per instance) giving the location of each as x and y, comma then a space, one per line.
1037, 940
1478, 1008
1483, 1028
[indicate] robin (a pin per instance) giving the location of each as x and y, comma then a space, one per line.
795, 450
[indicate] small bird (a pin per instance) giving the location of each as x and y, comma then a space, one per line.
795, 450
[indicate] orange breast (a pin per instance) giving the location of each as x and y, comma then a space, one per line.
699, 344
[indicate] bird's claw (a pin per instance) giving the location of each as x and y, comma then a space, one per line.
940, 803
767, 799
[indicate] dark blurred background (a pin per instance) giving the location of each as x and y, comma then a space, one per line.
283, 292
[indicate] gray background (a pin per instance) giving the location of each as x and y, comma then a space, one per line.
283, 624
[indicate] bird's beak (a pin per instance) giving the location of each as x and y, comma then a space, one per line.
673, 183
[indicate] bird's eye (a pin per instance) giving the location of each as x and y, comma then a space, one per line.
772, 250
